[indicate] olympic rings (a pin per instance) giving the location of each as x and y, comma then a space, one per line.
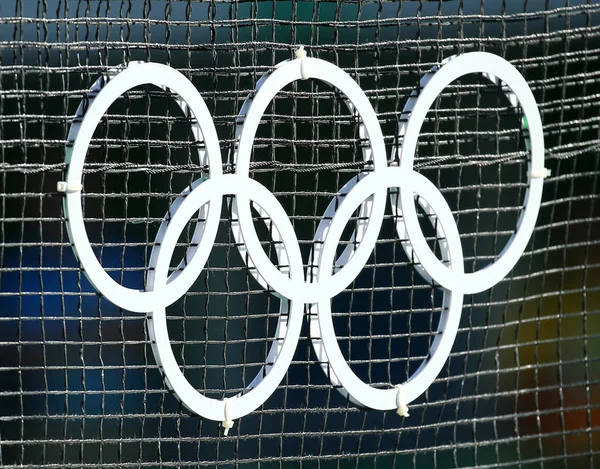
327, 275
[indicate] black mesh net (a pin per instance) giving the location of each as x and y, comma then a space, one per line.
79, 385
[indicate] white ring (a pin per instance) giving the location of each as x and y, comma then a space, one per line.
360, 392
281, 352
417, 107
366, 208
81, 134
283, 75
449, 303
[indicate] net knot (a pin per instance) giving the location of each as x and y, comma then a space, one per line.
301, 54
402, 406
227, 423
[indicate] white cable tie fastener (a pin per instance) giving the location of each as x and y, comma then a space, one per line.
301, 54
227, 423
540, 173
62, 186
402, 410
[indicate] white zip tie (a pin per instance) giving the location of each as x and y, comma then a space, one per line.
540, 174
62, 186
402, 410
301, 54
227, 423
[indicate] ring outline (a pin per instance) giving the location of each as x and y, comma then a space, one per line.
81, 134
432, 84
290, 325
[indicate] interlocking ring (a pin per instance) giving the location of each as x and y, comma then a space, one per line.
327, 275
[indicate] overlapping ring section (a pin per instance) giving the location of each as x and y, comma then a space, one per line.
330, 273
